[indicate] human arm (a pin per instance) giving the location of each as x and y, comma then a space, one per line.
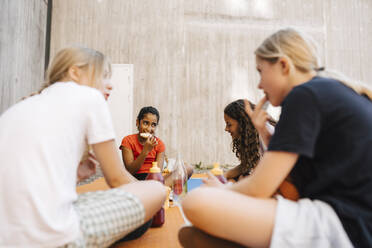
233, 172
271, 171
111, 165
265, 180
133, 165
160, 159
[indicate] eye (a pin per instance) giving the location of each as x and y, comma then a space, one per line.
145, 123
153, 124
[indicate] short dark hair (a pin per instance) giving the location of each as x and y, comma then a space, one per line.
147, 110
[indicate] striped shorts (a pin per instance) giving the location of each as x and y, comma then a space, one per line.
106, 216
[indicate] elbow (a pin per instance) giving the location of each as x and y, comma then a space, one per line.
261, 193
130, 169
115, 182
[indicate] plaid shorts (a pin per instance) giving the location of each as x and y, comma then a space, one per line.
106, 216
91, 179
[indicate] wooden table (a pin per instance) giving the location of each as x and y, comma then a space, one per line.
165, 236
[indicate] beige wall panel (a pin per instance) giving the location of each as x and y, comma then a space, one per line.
349, 38
147, 34
221, 37
193, 57
22, 49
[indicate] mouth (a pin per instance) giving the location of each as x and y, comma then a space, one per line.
106, 95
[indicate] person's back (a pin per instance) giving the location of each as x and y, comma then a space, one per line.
42, 139
335, 122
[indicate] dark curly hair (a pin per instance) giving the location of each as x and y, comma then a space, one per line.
246, 147
147, 110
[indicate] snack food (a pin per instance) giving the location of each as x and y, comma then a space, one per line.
145, 135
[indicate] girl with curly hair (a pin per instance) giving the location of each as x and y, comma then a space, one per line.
246, 143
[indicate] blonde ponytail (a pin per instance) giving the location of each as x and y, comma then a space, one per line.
358, 87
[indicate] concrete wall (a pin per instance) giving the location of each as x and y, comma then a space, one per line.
192, 57
22, 49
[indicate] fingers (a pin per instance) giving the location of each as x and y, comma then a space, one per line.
92, 164
248, 108
211, 180
153, 141
91, 154
261, 103
210, 175
259, 115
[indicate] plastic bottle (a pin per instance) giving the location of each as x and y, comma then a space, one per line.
217, 172
155, 174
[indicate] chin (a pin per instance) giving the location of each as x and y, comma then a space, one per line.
273, 102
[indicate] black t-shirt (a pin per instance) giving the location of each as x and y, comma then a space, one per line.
330, 127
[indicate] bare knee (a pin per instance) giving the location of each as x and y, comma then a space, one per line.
151, 194
196, 204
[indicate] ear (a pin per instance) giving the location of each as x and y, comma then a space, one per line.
74, 73
137, 123
284, 65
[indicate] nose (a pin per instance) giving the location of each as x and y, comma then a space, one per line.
152, 129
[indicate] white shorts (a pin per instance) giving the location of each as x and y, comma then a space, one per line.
106, 216
307, 223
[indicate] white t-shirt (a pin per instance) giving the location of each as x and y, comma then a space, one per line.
42, 140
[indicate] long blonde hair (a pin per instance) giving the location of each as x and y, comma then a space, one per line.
94, 61
302, 51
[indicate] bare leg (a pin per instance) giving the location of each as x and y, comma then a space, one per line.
151, 194
232, 216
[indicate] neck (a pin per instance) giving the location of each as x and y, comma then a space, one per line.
299, 78
67, 79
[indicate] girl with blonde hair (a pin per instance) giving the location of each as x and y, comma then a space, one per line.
322, 140
40, 206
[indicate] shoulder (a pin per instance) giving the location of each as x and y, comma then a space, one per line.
71, 92
322, 83
159, 140
130, 138
130, 142
89, 93
160, 146
323, 87
72, 87
315, 90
